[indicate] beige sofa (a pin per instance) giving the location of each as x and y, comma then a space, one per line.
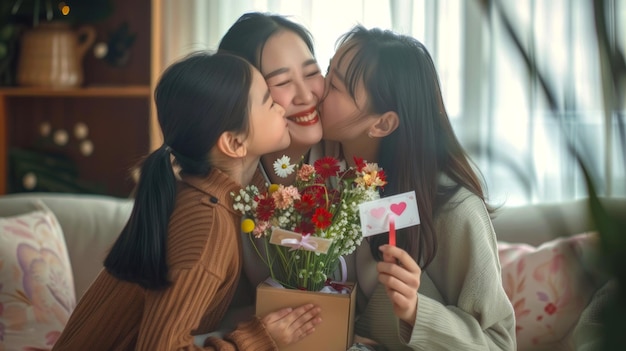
91, 223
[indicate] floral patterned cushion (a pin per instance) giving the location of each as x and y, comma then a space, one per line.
36, 285
549, 287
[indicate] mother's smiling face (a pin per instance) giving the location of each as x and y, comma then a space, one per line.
296, 83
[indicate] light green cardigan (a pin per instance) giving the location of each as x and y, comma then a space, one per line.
461, 305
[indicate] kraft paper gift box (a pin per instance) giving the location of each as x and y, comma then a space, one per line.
335, 333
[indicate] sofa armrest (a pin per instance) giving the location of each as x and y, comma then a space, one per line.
90, 224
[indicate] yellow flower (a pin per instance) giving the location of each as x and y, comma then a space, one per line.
247, 225
272, 188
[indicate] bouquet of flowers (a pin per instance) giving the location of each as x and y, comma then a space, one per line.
317, 224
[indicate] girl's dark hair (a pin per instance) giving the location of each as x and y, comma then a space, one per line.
248, 35
197, 99
399, 75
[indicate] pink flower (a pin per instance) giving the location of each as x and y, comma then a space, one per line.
260, 228
305, 173
284, 196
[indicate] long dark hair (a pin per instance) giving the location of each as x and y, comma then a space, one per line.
197, 99
399, 75
248, 35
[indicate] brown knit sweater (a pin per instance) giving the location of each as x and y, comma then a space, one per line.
204, 259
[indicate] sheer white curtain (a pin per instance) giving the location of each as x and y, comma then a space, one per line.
199, 24
496, 109
523, 144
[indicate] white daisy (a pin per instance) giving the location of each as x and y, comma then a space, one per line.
283, 167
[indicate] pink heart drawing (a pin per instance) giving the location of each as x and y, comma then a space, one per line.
398, 208
377, 212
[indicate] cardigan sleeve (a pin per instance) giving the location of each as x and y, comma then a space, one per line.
172, 314
476, 314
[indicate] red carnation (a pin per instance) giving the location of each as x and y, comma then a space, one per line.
317, 194
326, 167
306, 203
360, 164
265, 208
382, 175
322, 218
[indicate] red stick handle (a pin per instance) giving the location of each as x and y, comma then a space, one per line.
392, 231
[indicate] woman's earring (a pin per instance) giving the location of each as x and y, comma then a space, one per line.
369, 134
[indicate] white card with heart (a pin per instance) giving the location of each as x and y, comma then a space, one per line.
375, 214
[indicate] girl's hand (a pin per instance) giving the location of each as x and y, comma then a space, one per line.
289, 325
401, 276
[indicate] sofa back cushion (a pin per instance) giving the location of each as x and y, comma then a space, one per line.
36, 284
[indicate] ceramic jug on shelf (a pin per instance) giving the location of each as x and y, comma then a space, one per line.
52, 55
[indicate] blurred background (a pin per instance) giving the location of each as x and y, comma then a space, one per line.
497, 106
529, 85
535, 90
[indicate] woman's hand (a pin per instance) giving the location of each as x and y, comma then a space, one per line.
400, 275
289, 325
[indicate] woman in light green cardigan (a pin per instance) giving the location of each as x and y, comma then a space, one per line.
440, 287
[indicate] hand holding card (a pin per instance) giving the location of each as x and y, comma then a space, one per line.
387, 215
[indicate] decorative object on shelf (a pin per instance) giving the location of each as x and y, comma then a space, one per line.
52, 54
52, 50
86, 148
81, 130
70, 11
59, 140
45, 128
29, 181
36, 171
116, 51
60, 137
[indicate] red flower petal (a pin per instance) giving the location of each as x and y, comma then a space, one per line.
306, 204
265, 208
326, 167
360, 164
322, 218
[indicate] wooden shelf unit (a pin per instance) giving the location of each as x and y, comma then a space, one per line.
118, 127
115, 104
93, 91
